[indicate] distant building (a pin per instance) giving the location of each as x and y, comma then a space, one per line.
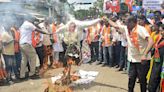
82, 4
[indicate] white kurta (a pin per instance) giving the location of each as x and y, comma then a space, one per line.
74, 37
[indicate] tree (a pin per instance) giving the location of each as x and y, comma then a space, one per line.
96, 10
81, 14
99, 5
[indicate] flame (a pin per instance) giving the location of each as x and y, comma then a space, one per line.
74, 77
70, 62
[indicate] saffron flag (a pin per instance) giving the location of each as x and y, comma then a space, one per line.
115, 6
129, 3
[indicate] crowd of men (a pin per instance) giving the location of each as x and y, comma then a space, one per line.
134, 43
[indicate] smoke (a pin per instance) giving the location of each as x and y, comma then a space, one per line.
15, 12
8, 14
12, 14
62, 9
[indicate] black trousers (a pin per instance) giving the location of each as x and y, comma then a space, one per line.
94, 47
155, 74
117, 50
123, 57
138, 70
155, 77
100, 52
40, 52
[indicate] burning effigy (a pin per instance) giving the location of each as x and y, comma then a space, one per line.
66, 83
72, 32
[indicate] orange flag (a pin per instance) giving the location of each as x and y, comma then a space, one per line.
116, 6
129, 3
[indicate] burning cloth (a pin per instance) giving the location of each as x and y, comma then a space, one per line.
85, 77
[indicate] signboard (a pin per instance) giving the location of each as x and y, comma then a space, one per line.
152, 4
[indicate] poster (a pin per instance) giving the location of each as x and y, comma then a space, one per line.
111, 6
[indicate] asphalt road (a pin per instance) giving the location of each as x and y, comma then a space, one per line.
108, 80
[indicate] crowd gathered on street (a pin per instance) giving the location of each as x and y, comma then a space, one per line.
128, 42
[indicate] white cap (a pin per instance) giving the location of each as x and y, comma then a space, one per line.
150, 21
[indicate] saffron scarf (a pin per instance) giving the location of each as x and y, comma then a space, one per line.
54, 33
88, 36
33, 39
134, 37
16, 38
106, 33
92, 35
156, 53
96, 33
37, 38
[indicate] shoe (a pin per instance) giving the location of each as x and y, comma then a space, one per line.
104, 65
21, 80
34, 76
10, 82
13, 77
117, 66
98, 63
90, 62
4, 82
103, 62
120, 69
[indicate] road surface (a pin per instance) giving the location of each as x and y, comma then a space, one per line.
108, 80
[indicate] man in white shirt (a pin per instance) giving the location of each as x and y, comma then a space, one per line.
117, 46
27, 50
137, 38
123, 54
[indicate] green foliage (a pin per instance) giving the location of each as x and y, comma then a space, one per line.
81, 14
124, 7
95, 11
